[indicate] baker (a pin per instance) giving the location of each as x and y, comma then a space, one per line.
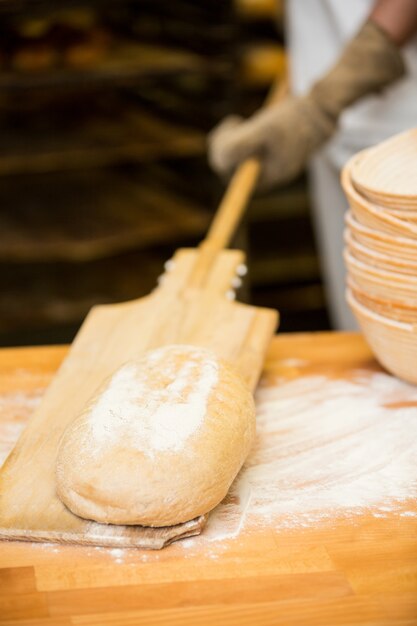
354, 83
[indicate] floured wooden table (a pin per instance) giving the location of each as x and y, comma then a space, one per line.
320, 527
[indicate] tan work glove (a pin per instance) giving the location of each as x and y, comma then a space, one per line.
285, 135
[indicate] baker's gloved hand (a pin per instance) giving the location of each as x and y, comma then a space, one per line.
286, 134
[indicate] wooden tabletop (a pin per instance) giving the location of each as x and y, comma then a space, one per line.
354, 571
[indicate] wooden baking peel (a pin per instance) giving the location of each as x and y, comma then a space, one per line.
190, 306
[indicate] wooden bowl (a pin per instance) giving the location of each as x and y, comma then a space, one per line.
399, 310
379, 282
387, 202
386, 173
400, 247
374, 217
377, 259
393, 343
402, 214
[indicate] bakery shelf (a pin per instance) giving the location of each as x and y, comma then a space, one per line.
262, 63
126, 61
259, 9
19, 7
85, 216
103, 136
289, 202
270, 269
35, 296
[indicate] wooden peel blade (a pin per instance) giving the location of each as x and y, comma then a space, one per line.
189, 307
111, 335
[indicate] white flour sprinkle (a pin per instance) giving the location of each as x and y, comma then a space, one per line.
15, 409
326, 449
155, 402
117, 554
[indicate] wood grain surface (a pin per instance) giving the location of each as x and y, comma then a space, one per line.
111, 335
351, 572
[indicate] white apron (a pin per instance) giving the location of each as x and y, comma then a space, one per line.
317, 32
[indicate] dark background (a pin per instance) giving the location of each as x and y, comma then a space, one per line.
104, 108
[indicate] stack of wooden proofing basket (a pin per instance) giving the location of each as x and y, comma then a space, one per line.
381, 249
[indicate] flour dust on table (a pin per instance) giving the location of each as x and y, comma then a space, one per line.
326, 449
15, 410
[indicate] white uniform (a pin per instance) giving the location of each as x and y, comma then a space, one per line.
317, 31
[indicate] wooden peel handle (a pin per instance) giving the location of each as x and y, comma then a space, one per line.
233, 204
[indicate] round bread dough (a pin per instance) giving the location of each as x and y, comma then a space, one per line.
160, 442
